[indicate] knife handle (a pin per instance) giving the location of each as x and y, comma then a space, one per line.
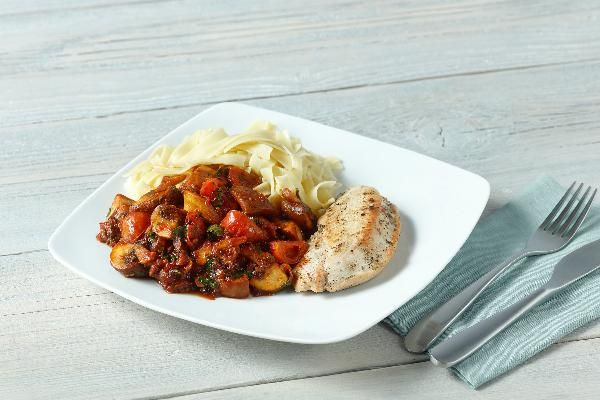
428, 329
458, 347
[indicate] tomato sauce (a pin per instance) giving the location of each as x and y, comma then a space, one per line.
208, 232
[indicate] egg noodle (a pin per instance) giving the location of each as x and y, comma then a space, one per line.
273, 154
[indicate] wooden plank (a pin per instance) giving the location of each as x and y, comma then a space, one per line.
535, 123
567, 371
97, 61
32, 211
62, 336
132, 346
14, 8
56, 326
454, 119
97, 68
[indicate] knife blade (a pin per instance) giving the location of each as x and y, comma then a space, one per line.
570, 268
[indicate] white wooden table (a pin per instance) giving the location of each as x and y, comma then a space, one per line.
509, 90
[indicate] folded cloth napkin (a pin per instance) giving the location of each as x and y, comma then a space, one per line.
494, 239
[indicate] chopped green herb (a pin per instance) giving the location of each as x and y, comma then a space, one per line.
214, 232
218, 200
180, 231
239, 273
205, 283
210, 262
170, 257
221, 171
152, 236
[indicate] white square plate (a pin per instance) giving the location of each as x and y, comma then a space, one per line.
439, 206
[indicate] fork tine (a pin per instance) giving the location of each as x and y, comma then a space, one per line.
552, 228
574, 214
582, 216
557, 207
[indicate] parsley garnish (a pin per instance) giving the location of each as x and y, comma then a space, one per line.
214, 232
205, 283
218, 200
170, 257
221, 171
210, 262
180, 231
239, 273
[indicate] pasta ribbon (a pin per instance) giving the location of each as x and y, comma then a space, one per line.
280, 160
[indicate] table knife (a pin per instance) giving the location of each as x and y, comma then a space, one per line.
572, 267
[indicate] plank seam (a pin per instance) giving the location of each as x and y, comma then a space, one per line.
57, 178
272, 381
276, 381
62, 308
23, 252
121, 300
309, 92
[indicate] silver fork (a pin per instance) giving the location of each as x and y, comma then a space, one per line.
552, 235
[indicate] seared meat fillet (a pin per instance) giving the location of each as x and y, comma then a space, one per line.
356, 238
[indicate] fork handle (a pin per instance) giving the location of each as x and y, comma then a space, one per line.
458, 347
428, 329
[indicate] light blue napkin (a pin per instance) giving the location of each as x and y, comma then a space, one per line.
493, 240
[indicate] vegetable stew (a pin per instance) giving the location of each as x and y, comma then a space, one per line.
208, 231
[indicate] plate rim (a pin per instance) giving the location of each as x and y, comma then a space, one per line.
332, 339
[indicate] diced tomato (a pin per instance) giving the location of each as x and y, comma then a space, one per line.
196, 177
134, 225
236, 223
288, 252
209, 187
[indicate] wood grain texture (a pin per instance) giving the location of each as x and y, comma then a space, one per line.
39, 304
457, 119
66, 338
107, 58
507, 89
501, 137
544, 377
70, 339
